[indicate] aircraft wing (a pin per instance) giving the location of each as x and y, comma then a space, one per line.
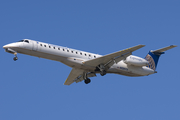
75, 73
110, 58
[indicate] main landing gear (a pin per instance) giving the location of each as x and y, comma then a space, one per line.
102, 70
15, 58
86, 79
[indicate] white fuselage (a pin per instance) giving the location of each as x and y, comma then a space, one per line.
75, 58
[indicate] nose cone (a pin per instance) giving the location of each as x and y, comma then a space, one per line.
5, 46
11, 45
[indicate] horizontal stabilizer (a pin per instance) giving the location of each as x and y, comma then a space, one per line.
163, 49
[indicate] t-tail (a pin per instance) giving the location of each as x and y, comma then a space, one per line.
153, 56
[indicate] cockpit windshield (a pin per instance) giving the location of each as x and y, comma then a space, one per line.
24, 41
21, 41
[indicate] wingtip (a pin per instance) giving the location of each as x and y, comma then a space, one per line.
65, 82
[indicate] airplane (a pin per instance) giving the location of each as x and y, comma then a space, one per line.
85, 64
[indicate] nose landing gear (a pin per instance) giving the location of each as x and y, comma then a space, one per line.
15, 58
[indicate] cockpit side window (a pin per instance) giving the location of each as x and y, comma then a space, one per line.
26, 41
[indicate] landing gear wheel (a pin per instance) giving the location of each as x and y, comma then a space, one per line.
15, 58
87, 81
103, 73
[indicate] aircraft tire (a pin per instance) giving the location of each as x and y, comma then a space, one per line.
15, 58
87, 81
103, 73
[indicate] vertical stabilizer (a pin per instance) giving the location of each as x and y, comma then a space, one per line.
153, 56
152, 59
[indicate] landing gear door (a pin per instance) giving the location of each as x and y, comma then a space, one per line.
35, 46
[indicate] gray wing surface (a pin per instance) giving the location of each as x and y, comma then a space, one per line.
76, 75
73, 75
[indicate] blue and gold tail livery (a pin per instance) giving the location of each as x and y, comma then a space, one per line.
153, 56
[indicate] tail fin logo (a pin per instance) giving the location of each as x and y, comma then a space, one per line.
151, 64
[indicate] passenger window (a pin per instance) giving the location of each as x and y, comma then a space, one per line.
76, 52
85, 54
54, 47
89, 55
72, 51
63, 49
58, 48
94, 56
49, 46
81, 53
44, 45
67, 50
40, 44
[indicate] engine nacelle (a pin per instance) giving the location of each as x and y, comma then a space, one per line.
136, 61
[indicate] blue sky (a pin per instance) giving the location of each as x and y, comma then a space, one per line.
32, 88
